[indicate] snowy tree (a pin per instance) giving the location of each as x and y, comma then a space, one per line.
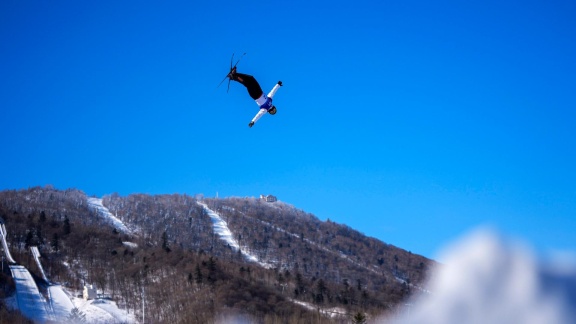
359, 318
55, 242
76, 316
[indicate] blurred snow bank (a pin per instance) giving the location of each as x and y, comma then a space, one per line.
488, 279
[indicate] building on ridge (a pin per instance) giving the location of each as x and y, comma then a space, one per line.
268, 198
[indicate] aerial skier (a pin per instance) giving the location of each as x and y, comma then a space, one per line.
255, 91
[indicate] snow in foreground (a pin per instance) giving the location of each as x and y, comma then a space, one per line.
60, 302
486, 279
102, 311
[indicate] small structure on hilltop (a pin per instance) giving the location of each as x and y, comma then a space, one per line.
268, 198
90, 292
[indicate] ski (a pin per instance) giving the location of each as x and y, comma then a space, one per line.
231, 68
236, 61
231, 60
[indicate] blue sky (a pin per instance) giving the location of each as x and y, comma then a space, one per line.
410, 121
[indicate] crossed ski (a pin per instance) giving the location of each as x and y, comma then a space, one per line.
231, 68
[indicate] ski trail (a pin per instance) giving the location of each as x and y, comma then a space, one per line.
317, 245
60, 303
36, 255
30, 301
221, 228
328, 250
96, 203
5, 244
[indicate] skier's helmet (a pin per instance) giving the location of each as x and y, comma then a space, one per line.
272, 110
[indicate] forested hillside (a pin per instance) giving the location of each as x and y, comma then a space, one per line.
308, 270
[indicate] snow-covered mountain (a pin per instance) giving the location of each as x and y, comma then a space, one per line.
175, 258
247, 255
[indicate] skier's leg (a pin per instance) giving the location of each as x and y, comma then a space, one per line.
250, 83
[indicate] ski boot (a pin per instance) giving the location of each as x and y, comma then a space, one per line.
232, 73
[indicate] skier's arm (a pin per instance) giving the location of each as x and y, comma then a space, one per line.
260, 113
276, 87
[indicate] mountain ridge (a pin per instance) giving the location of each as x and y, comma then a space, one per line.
321, 263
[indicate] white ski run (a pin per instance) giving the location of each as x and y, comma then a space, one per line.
221, 228
96, 203
36, 254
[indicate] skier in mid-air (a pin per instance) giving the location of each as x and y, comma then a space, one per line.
255, 91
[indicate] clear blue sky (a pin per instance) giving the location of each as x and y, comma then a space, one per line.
410, 121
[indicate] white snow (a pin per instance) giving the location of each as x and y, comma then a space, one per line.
97, 311
96, 203
221, 228
328, 312
5, 244
102, 311
29, 300
487, 279
130, 244
36, 255
34, 306
60, 302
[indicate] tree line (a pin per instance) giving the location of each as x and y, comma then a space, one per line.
183, 272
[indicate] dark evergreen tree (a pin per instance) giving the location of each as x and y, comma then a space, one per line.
165, 242
39, 235
211, 270
42, 218
67, 228
359, 318
55, 244
198, 275
76, 316
299, 284
29, 241
320, 291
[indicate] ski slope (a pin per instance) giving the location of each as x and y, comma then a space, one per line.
103, 311
96, 203
36, 254
221, 228
30, 302
317, 245
5, 245
60, 303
